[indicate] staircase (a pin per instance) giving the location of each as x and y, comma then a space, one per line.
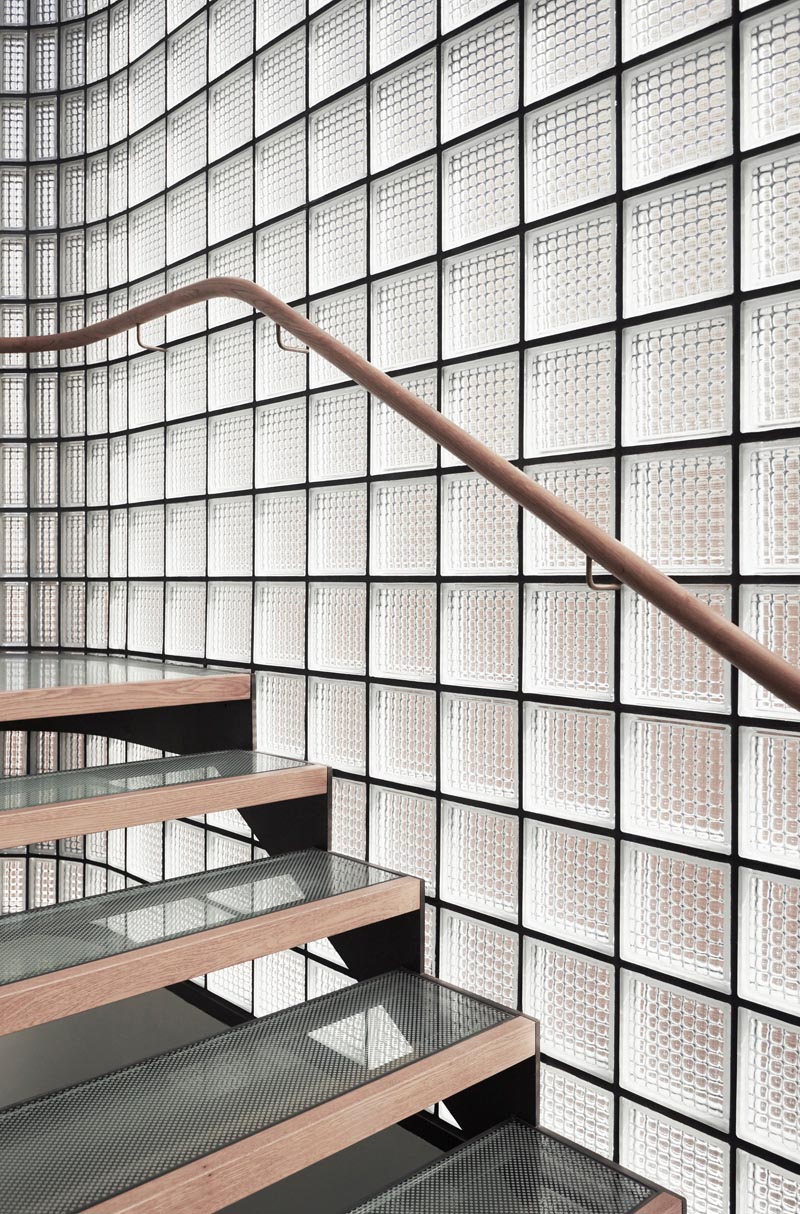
200, 1127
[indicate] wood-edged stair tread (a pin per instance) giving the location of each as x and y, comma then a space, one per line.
66, 958
517, 1169
38, 683
65, 803
200, 1127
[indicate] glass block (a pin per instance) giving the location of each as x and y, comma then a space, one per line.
146, 84
770, 336
280, 443
230, 113
481, 299
281, 74
769, 961
72, 474
184, 849
44, 611
144, 851
336, 724
13, 126
397, 29
572, 997
118, 543
402, 833
337, 614
230, 452
568, 885
278, 982
403, 216
483, 398
13, 613
480, 81
405, 318
186, 539
338, 143
230, 618
349, 818
42, 882
186, 459
279, 625
648, 24
281, 534
12, 884
569, 396
281, 172
338, 434
763, 1187
185, 619
403, 527
186, 379
274, 17
186, 140
554, 299
281, 257
677, 378
589, 488
230, 197
769, 507
397, 445
13, 406
230, 367
564, 46
479, 957
230, 537
145, 616
568, 763
338, 240
230, 34
13, 61
146, 465
687, 1160
13, 545
145, 542
576, 1110
337, 49
769, 796
338, 530
770, 75
570, 151
280, 701
403, 631
768, 1075
479, 631
772, 615
402, 741
677, 110
569, 648
479, 528
13, 475
403, 113
479, 748
665, 666
13, 183
479, 860
345, 317
480, 186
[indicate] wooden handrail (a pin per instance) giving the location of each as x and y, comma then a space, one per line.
736, 646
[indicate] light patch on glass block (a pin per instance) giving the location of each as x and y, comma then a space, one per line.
677, 110
589, 488
336, 724
281, 534
568, 763
338, 530
569, 641
230, 614
568, 885
280, 701
678, 244
479, 634
569, 396
481, 299
281, 171
770, 507
184, 849
480, 188
405, 318
772, 615
688, 1161
403, 735
576, 1110
572, 997
345, 317
403, 216
770, 202
230, 537
768, 1079
769, 796
280, 443
665, 666
479, 748
337, 627
403, 113
479, 528
571, 273
403, 631
570, 152
338, 143
770, 336
403, 527
337, 49
479, 957
482, 397
402, 833
770, 74
764, 1187
348, 818
281, 74
769, 957
564, 44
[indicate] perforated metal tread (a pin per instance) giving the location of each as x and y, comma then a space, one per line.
514, 1169
68, 1151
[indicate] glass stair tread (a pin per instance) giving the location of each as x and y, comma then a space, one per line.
516, 1169
208, 1123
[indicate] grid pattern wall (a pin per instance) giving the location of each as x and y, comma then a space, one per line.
572, 226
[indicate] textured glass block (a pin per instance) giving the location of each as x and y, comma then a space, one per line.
397, 445
279, 625
677, 378
144, 851
403, 113
483, 398
338, 240
402, 833
338, 434
42, 882
184, 849
764, 1187
186, 379
337, 49
648, 24
230, 537
479, 748
769, 958
146, 83
480, 81
337, 627
281, 257
403, 216
186, 539
403, 631
13, 406
772, 615
338, 530
403, 735
281, 534
186, 459
230, 617
13, 475
479, 636
281, 75
770, 507
146, 465
570, 151
770, 342
677, 110
576, 1110
145, 542
13, 61
13, 613
274, 17
12, 884
479, 528
230, 452
481, 299
768, 1076
480, 186
665, 666
281, 172
569, 396
345, 317
13, 184
72, 474
280, 714
571, 273
479, 957
336, 724
12, 267
676, 781
230, 34
145, 616
770, 44
572, 997
690, 1162
479, 860
185, 619
565, 44
568, 885
349, 818
278, 981
405, 318
586, 486
186, 140
397, 29
338, 143
230, 197
280, 443
403, 527
13, 545
568, 763
230, 367
569, 648
769, 796
230, 113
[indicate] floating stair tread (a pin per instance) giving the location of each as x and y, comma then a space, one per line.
37, 684
516, 1169
78, 802
197, 1128
62, 959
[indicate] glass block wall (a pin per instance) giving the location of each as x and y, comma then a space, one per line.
571, 225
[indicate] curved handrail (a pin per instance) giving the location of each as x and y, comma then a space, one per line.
736, 646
